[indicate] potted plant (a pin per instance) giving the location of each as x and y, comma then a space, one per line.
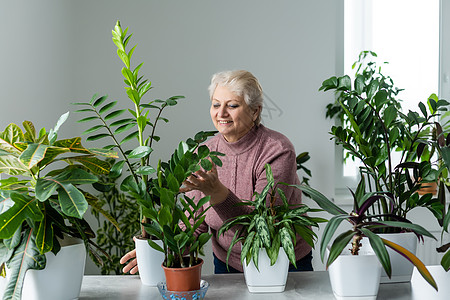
133, 137
42, 207
177, 217
268, 236
357, 273
373, 128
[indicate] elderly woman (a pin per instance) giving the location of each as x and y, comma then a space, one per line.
236, 104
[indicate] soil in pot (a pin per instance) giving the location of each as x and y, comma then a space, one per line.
184, 279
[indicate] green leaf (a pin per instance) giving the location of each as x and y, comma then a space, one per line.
140, 152
26, 257
130, 137
44, 236
99, 101
24, 207
288, 245
107, 107
145, 170
72, 201
380, 250
340, 242
33, 155
263, 230
114, 114
206, 164
93, 129
124, 128
94, 164
121, 122
390, 114
372, 88
97, 137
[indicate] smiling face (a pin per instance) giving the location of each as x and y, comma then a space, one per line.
231, 116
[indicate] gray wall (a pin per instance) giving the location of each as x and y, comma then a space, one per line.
56, 52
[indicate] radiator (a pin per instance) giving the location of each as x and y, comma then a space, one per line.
426, 251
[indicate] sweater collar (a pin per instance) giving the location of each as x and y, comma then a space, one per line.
243, 144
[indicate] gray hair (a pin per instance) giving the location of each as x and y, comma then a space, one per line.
243, 84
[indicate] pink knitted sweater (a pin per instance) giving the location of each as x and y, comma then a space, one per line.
243, 173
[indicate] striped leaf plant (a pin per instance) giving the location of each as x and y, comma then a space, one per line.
41, 198
366, 222
273, 223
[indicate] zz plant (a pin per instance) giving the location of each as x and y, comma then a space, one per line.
135, 147
176, 219
272, 224
41, 197
374, 127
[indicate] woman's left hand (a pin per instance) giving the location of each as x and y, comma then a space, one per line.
208, 183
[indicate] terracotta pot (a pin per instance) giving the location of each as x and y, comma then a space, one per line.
183, 279
429, 187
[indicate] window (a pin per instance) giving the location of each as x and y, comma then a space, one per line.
404, 33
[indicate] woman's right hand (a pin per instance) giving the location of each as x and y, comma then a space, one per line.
130, 257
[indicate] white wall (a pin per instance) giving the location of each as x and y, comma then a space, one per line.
56, 52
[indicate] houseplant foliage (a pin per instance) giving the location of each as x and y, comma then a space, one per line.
374, 126
271, 225
122, 207
41, 198
177, 216
364, 223
135, 147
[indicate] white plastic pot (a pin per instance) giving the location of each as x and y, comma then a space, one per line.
269, 279
355, 276
149, 262
62, 276
402, 268
423, 290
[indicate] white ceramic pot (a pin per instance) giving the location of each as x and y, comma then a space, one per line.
269, 279
401, 267
149, 262
62, 276
423, 290
355, 276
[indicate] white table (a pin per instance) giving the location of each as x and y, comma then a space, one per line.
301, 285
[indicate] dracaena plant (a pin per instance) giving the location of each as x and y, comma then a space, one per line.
174, 222
41, 198
132, 136
374, 127
365, 223
271, 225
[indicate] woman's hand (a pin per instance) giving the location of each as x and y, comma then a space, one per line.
132, 266
208, 183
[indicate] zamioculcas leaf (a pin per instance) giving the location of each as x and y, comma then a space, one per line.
140, 152
107, 107
114, 114
99, 101
145, 170
93, 129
